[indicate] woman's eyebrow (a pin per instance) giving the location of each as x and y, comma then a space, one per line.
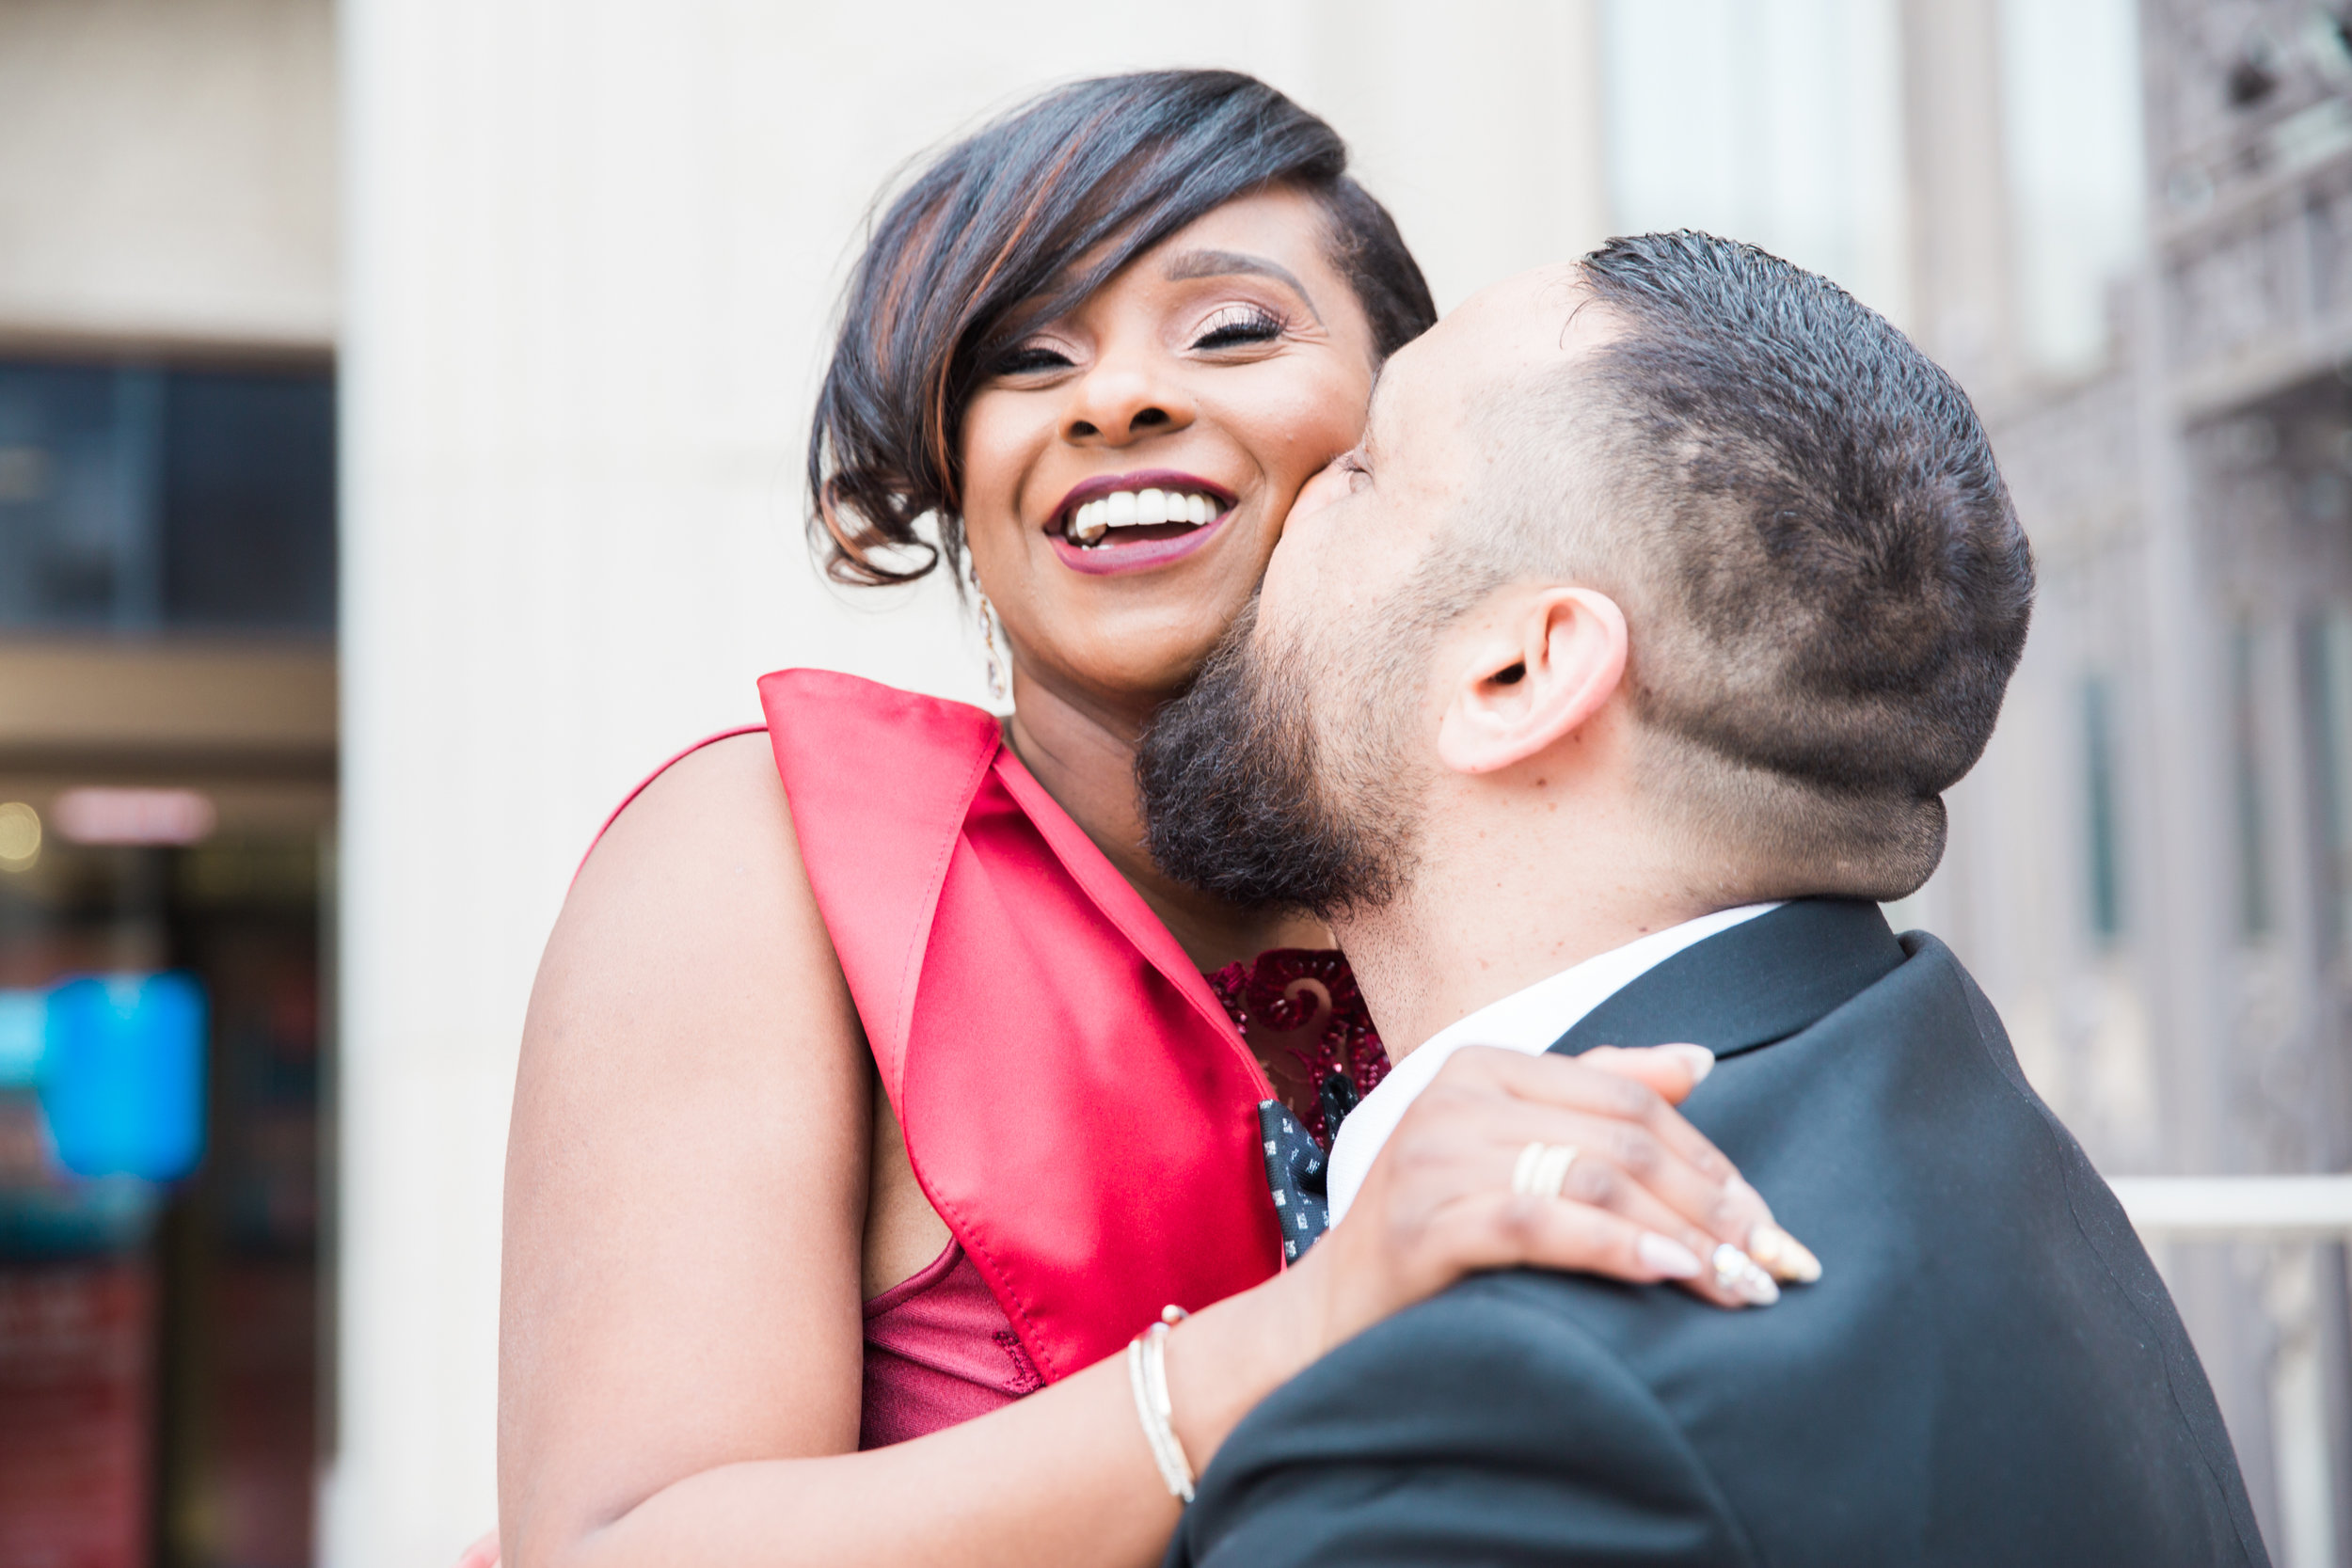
1227, 263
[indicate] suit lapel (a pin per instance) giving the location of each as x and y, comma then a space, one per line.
1762, 981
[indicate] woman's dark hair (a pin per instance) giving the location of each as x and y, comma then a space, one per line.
979, 249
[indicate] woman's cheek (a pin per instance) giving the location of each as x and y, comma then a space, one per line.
997, 450
1300, 430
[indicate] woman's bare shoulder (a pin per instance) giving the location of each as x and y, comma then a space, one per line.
717, 797
694, 901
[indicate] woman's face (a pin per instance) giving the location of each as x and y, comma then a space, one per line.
1202, 387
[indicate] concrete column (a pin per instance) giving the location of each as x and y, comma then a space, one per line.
1962, 263
167, 174
591, 250
1479, 126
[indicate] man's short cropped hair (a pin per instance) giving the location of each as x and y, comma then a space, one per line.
1826, 586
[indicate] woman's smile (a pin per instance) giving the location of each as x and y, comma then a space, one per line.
1137, 521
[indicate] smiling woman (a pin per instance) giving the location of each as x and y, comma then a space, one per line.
1024, 222
878, 1090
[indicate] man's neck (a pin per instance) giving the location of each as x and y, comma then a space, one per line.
1452, 947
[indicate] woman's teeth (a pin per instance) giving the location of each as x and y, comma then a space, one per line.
1138, 509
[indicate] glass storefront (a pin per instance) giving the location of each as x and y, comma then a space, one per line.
163, 882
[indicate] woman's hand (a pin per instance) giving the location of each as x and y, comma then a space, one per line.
1646, 1199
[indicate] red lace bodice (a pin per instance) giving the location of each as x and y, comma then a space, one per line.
1303, 1018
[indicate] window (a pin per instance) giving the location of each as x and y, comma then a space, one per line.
2253, 870
2328, 658
140, 499
2072, 147
2101, 832
1777, 122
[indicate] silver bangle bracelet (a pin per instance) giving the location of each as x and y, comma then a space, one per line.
1147, 1378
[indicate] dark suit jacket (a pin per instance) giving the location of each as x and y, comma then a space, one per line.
1988, 1373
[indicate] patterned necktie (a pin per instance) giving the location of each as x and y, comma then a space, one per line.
1298, 1173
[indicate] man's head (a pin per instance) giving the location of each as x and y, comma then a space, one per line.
1683, 537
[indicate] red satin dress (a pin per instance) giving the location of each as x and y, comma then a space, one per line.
1078, 1101
939, 1350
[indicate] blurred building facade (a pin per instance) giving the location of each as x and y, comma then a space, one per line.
560, 278
2150, 868
168, 766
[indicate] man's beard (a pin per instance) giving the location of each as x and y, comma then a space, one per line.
1242, 800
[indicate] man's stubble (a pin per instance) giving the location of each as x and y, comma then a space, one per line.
1283, 778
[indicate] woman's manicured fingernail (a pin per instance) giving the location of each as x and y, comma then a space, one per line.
1665, 1255
1783, 1256
1696, 1059
1737, 1274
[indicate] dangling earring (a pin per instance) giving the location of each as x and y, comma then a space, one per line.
998, 690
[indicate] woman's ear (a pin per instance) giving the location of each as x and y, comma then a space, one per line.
1535, 673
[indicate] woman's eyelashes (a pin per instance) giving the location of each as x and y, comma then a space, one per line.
1238, 325
1033, 359
1234, 327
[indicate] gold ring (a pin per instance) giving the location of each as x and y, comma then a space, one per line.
1542, 1169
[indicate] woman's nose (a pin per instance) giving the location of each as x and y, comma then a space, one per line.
1117, 403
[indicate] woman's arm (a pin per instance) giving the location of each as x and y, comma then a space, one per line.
686, 1170
682, 1337
681, 1361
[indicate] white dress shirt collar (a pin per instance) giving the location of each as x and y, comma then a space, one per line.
1527, 1020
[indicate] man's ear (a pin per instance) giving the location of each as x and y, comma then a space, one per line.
1537, 672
